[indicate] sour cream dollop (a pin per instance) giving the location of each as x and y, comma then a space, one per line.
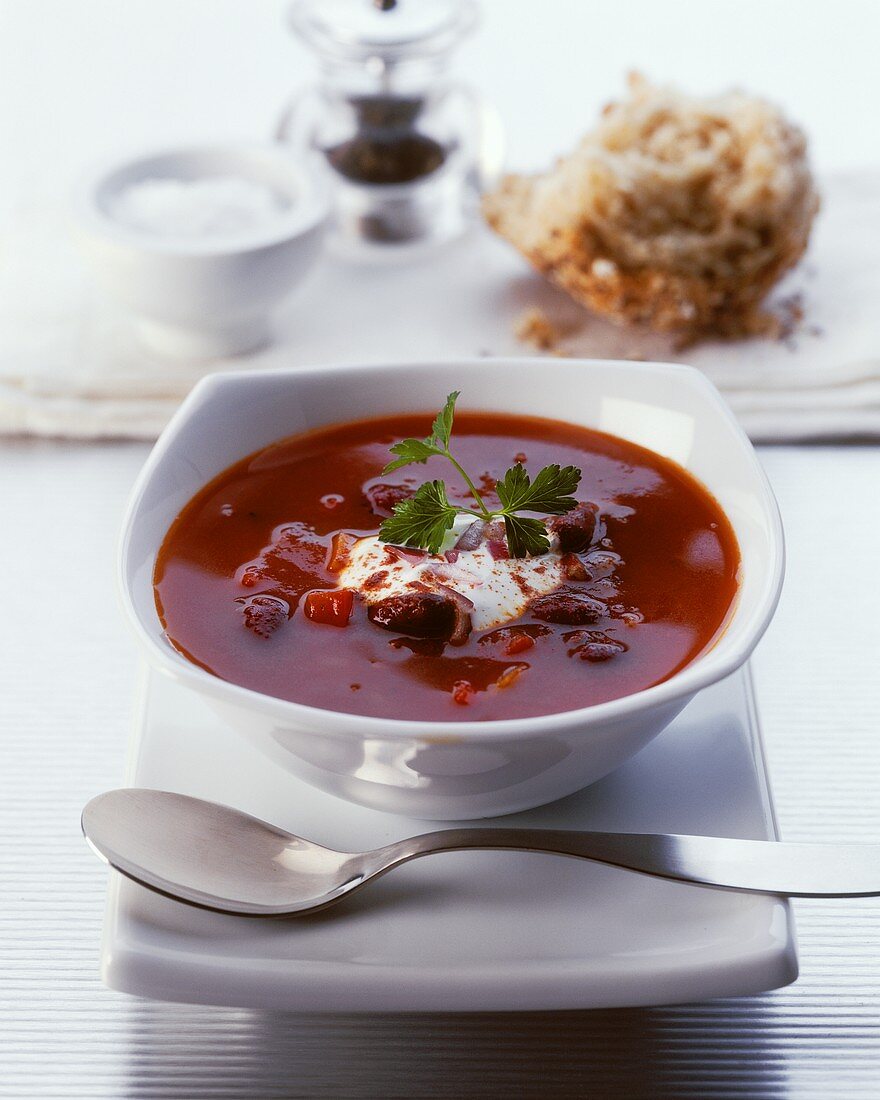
499, 588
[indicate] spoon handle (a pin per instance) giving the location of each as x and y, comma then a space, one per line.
755, 866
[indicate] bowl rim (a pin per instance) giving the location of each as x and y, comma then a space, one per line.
304, 216
714, 664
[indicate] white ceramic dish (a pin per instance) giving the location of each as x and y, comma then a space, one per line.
467, 931
198, 297
467, 769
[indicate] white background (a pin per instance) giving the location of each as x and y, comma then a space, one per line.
84, 79
81, 79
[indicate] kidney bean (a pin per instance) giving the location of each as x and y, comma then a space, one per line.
382, 497
567, 605
576, 528
461, 629
593, 645
263, 615
418, 614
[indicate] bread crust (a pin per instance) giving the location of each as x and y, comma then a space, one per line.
676, 213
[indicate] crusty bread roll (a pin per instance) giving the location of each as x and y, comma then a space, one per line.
676, 212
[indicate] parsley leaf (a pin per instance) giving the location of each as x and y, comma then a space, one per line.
411, 450
422, 521
550, 492
437, 443
525, 536
441, 429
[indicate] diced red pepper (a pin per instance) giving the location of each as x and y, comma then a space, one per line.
330, 607
462, 692
518, 643
340, 551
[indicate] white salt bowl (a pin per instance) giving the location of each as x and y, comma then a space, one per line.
202, 295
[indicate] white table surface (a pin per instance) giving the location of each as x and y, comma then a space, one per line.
66, 681
80, 79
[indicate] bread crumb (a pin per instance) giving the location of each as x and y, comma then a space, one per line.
676, 213
604, 269
535, 328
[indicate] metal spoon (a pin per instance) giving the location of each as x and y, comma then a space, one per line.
218, 858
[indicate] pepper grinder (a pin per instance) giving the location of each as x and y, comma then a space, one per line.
403, 149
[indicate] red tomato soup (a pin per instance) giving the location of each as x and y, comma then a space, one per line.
254, 580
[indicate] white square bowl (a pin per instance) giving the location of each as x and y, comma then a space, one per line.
466, 769
466, 931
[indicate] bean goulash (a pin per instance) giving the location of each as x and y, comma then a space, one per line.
622, 571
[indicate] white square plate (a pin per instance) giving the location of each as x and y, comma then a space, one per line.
467, 931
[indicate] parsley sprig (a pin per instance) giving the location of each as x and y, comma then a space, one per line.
423, 520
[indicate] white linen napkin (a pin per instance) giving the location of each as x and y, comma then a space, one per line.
70, 366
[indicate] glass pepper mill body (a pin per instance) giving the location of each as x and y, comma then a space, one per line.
404, 149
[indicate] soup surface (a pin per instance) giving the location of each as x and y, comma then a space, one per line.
272, 577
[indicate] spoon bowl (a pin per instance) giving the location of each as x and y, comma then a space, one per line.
213, 856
